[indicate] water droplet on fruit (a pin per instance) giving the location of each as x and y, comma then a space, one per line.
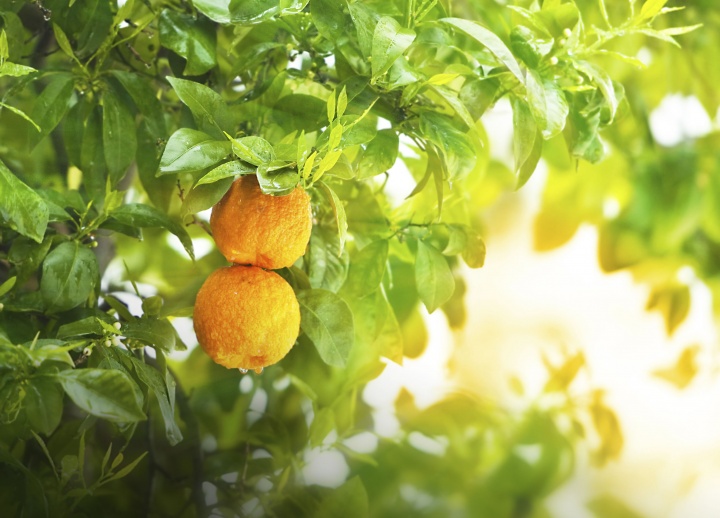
258, 370
243, 371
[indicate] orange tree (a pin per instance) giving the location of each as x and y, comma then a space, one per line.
123, 122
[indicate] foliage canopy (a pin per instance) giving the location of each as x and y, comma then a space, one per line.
139, 115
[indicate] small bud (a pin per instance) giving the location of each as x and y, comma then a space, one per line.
94, 244
87, 351
108, 343
562, 42
553, 60
567, 32
117, 325
115, 340
1, 306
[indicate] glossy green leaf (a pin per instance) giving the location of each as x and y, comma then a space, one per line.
143, 95
367, 269
108, 394
152, 331
490, 40
328, 18
69, 275
21, 207
191, 150
144, 216
339, 212
434, 280
51, 106
278, 182
155, 382
119, 136
548, 104
254, 150
527, 141
43, 405
227, 170
205, 196
455, 146
208, 108
380, 154
326, 319
190, 37
390, 41
365, 20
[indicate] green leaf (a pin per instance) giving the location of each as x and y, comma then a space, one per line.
328, 18
331, 108
488, 39
451, 98
434, 280
143, 95
85, 326
390, 41
300, 112
69, 274
327, 265
15, 70
455, 146
144, 216
127, 469
108, 394
205, 196
43, 404
380, 154
209, 110
256, 11
190, 37
217, 10
603, 82
191, 150
227, 170
51, 106
342, 102
651, 8
21, 114
349, 501
255, 150
548, 104
527, 141
367, 269
339, 212
7, 285
155, 382
160, 189
365, 20
279, 182
21, 207
63, 42
119, 136
327, 320
152, 331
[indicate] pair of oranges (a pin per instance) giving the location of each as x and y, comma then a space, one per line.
247, 316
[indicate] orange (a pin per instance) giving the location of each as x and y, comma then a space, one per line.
246, 317
250, 227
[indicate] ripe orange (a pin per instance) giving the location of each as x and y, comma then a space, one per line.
246, 317
250, 227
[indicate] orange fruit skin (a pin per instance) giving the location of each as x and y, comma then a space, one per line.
251, 227
246, 317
